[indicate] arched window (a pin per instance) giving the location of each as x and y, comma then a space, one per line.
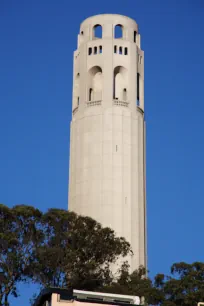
120, 50
95, 83
100, 49
97, 31
90, 51
126, 51
120, 83
76, 91
135, 36
115, 49
118, 33
95, 50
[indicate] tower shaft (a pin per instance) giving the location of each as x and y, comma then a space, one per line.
107, 144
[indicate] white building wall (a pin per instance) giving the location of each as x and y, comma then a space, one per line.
107, 154
57, 301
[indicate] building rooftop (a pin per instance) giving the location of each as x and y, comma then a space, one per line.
56, 296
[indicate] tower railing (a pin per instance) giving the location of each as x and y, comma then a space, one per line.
120, 103
115, 102
93, 103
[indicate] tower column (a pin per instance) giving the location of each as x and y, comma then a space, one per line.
107, 143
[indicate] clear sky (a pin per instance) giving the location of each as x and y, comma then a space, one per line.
38, 38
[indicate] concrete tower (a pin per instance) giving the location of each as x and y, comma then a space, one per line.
107, 145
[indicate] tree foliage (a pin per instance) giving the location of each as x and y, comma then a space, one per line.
136, 283
78, 251
20, 235
184, 286
57, 248
61, 249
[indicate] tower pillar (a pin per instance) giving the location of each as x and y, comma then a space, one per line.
107, 143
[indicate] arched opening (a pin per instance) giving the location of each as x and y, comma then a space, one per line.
90, 51
120, 50
95, 83
100, 49
115, 49
76, 100
135, 36
97, 31
118, 31
126, 51
120, 83
82, 32
95, 50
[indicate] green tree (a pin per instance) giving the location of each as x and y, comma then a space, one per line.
136, 283
185, 285
61, 249
20, 234
78, 251
57, 248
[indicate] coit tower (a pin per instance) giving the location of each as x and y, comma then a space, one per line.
107, 142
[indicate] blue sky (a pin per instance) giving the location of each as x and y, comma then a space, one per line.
37, 43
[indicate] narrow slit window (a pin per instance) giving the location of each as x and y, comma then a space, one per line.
126, 51
138, 89
115, 49
135, 36
90, 94
100, 49
124, 94
120, 50
90, 51
95, 50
